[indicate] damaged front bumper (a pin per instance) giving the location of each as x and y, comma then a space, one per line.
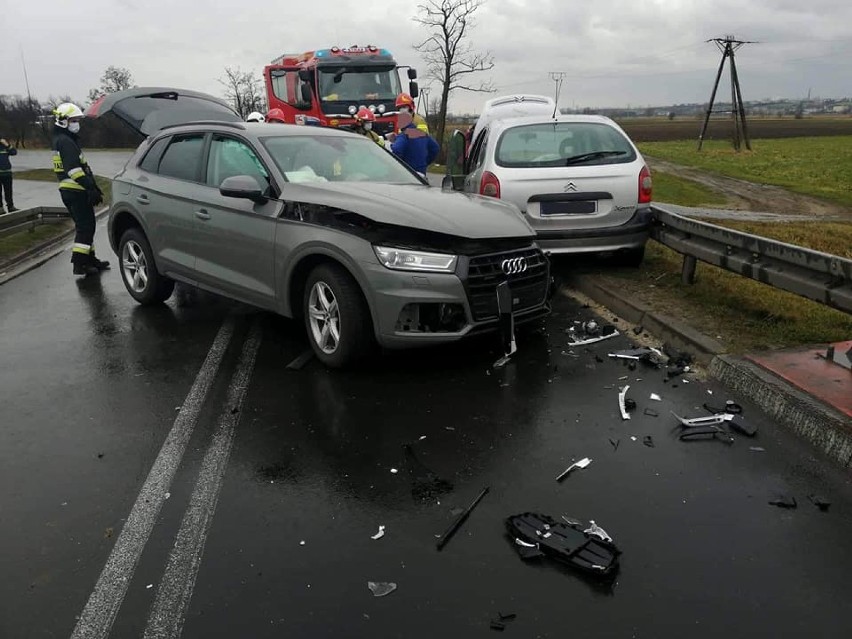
411, 309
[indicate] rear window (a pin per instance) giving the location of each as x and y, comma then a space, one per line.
563, 144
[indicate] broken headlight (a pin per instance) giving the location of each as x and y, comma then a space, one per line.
406, 260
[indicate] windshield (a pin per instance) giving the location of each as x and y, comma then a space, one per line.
343, 158
563, 144
358, 84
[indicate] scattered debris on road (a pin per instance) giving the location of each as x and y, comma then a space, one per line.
615, 443
583, 463
449, 532
622, 403
648, 441
300, 361
597, 531
379, 534
784, 501
650, 412
820, 502
656, 398
585, 552
381, 588
426, 486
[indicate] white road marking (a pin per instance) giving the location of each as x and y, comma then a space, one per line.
96, 620
168, 612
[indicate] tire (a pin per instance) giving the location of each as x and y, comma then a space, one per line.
631, 258
139, 272
333, 299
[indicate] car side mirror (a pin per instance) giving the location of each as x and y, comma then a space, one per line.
243, 187
307, 98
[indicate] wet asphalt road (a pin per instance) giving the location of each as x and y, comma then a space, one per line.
91, 385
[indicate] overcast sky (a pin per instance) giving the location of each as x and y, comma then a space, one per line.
614, 52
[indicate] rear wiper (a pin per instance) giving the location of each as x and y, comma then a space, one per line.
577, 159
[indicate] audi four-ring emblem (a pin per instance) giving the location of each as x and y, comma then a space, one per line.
514, 266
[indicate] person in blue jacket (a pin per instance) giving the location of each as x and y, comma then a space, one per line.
413, 146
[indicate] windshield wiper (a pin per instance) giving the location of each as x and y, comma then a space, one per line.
584, 157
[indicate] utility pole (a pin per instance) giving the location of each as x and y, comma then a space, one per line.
728, 45
557, 77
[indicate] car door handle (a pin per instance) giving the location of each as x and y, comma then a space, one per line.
202, 214
143, 199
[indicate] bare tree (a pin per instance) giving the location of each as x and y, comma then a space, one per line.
18, 117
114, 79
243, 90
449, 55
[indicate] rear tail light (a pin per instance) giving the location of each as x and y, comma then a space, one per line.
645, 185
489, 185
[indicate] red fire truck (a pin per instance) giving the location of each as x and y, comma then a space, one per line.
328, 86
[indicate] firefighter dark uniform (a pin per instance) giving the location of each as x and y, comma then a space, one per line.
78, 189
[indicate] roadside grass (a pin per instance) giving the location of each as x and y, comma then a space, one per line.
677, 190
819, 166
743, 314
19, 242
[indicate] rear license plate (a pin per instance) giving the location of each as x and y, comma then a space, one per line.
578, 207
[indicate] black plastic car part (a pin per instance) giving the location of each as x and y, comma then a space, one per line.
568, 544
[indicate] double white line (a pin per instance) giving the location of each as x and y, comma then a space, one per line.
175, 590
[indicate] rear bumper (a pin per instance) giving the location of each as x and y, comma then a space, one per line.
631, 235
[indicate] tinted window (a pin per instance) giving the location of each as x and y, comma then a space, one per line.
563, 144
343, 158
183, 157
152, 158
230, 157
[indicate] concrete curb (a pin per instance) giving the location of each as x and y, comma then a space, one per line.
823, 427
37, 255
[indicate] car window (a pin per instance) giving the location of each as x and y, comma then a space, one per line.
230, 157
563, 144
341, 158
151, 160
476, 151
286, 86
183, 157
479, 159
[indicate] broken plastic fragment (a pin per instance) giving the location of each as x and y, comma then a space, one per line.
784, 501
381, 588
742, 426
585, 552
497, 625
614, 443
591, 340
394, 470
583, 463
379, 534
596, 530
656, 397
521, 542
648, 441
500, 363
820, 502
622, 396
757, 449
720, 418
650, 412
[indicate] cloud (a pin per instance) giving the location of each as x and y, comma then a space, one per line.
613, 52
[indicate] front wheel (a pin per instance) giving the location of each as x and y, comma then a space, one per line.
336, 317
139, 273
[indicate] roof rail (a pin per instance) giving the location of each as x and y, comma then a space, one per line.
233, 125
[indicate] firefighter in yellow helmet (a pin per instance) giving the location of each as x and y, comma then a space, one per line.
77, 187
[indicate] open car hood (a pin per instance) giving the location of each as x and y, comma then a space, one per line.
149, 109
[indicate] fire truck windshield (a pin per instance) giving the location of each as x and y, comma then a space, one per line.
358, 84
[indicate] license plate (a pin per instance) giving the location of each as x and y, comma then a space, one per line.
577, 207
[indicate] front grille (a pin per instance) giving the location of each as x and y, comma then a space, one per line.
529, 289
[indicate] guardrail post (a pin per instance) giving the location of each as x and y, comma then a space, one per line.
687, 274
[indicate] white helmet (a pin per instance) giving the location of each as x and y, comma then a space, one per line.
64, 112
254, 116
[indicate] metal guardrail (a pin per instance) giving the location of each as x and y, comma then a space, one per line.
29, 219
817, 276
